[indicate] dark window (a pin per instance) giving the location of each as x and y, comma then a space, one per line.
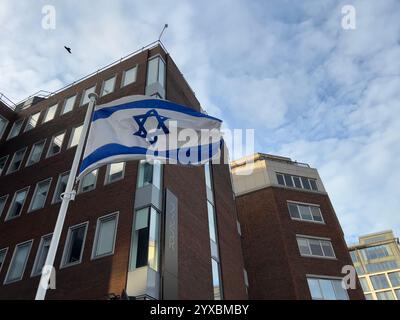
143, 247
288, 180
280, 179
313, 184
75, 245
297, 182
294, 211
306, 184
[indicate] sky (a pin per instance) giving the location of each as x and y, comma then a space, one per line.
312, 90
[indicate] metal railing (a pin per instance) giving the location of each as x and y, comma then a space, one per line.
7, 101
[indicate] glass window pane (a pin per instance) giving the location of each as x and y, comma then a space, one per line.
379, 282
315, 290
216, 279
36, 153
3, 253
306, 184
129, 76
50, 113
152, 71
145, 176
61, 186
297, 182
397, 292
75, 245
142, 219
106, 236
207, 173
56, 144
368, 296
3, 162
86, 93
39, 198
385, 295
17, 204
316, 214
3, 125
76, 135
116, 171
3, 201
17, 266
153, 239
315, 247
16, 161
211, 222
340, 292
294, 211
161, 72
69, 104
305, 212
288, 180
281, 181
394, 278
32, 121
313, 184
89, 181
42, 254
303, 246
364, 284
327, 289
16, 128
327, 249
108, 86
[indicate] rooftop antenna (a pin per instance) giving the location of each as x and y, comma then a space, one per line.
165, 27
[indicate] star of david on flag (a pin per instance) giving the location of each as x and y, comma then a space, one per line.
141, 127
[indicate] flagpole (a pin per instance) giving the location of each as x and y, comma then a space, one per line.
67, 196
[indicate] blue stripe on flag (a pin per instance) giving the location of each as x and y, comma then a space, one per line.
149, 103
204, 152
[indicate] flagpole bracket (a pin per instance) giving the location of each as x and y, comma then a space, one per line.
68, 195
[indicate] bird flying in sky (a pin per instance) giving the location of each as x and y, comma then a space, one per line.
68, 49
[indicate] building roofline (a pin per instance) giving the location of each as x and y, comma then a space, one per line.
265, 156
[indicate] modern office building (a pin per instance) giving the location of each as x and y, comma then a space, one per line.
151, 231
292, 241
377, 260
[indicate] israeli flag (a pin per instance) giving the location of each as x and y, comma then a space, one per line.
141, 127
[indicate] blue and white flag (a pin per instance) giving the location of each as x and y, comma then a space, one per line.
141, 127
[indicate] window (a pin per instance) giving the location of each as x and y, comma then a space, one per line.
385, 295
74, 244
368, 296
41, 255
104, 240
379, 282
315, 247
129, 76
393, 276
16, 161
354, 257
16, 128
296, 181
3, 200
149, 173
40, 194
3, 125
115, 172
61, 186
68, 105
3, 254
17, 203
50, 113
32, 121
382, 266
89, 181
36, 153
156, 71
146, 238
85, 95
207, 172
211, 222
364, 284
75, 136
305, 212
108, 86
397, 292
3, 161
376, 252
55, 144
18, 262
216, 277
326, 289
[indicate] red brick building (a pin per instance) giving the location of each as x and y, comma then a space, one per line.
155, 231
292, 241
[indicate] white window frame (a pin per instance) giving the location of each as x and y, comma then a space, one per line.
11, 130
30, 153
157, 56
322, 277
107, 176
54, 200
8, 218
80, 189
305, 204
6, 281
12, 159
5, 202
34, 272
34, 194
102, 94
29, 119
294, 185
51, 142
55, 106
305, 237
96, 236
124, 73
6, 122
84, 93
5, 164
71, 136
5, 256
65, 102
67, 245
